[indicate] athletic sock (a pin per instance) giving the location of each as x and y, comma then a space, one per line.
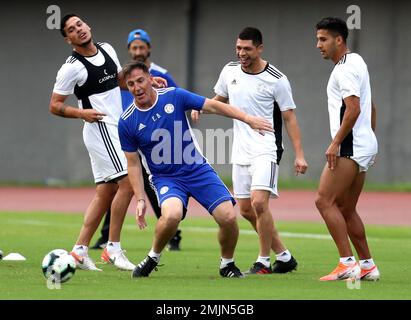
155, 256
113, 246
80, 249
367, 264
284, 256
264, 260
347, 260
224, 262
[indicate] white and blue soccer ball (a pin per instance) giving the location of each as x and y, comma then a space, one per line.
58, 266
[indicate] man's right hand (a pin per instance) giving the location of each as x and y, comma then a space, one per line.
195, 116
91, 115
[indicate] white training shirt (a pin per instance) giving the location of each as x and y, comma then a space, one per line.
256, 94
74, 72
350, 78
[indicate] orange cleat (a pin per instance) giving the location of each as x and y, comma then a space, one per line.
370, 274
343, 272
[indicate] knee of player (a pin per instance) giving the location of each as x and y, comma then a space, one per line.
323, 202
228, 218
172, 217
259, 205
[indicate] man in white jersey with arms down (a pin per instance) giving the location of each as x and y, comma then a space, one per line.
92, 74
258, 88
350, 154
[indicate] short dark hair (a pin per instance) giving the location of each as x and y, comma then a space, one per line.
253, 34
131, 66
64, 21
336, 26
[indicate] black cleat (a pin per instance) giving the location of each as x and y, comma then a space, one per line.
100, 244
284, 267
231, 271
144, 268
259, 268
174, 243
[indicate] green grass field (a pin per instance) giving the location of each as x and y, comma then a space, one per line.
193, 272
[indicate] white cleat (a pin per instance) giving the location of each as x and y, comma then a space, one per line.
372, 274
84, 262
118, 259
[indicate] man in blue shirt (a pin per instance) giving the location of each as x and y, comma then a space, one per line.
156, 126
139, 48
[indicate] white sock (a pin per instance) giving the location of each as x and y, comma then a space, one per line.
347, 260
367, 264
80, 249
284, 256
224, 262
155, 256
113, 246
264, 260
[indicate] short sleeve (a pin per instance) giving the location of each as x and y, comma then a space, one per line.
66, 80
110, 50
189, 100
127, 141
283, 94
348, 81
220, 87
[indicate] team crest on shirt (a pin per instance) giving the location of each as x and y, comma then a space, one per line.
164, 190
169, 108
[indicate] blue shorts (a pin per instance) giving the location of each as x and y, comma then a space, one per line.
204, 185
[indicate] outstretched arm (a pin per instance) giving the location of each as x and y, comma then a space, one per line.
293, 130
59, 108
217, 107
195, 115
137, 183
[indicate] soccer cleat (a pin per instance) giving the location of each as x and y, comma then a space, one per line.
372, 274
174, 243
231, 271
84, 262
144, 268
100, 244
284, 267
343, 272
259, 268
118, 259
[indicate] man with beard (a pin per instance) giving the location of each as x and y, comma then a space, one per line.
259, 88
139, 48
93, 74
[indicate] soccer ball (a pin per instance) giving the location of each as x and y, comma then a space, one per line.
58, 266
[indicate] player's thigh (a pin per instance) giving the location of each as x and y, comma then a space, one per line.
106, 190
334, 183
264, 177
224, 213
208, 189
241, 181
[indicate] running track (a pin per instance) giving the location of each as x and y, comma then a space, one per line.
374, 207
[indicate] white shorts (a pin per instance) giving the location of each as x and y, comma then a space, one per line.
108, 161
261, 175
364, 162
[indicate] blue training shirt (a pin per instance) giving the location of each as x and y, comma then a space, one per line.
162, 133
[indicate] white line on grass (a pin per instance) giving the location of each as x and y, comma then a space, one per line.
295, 235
